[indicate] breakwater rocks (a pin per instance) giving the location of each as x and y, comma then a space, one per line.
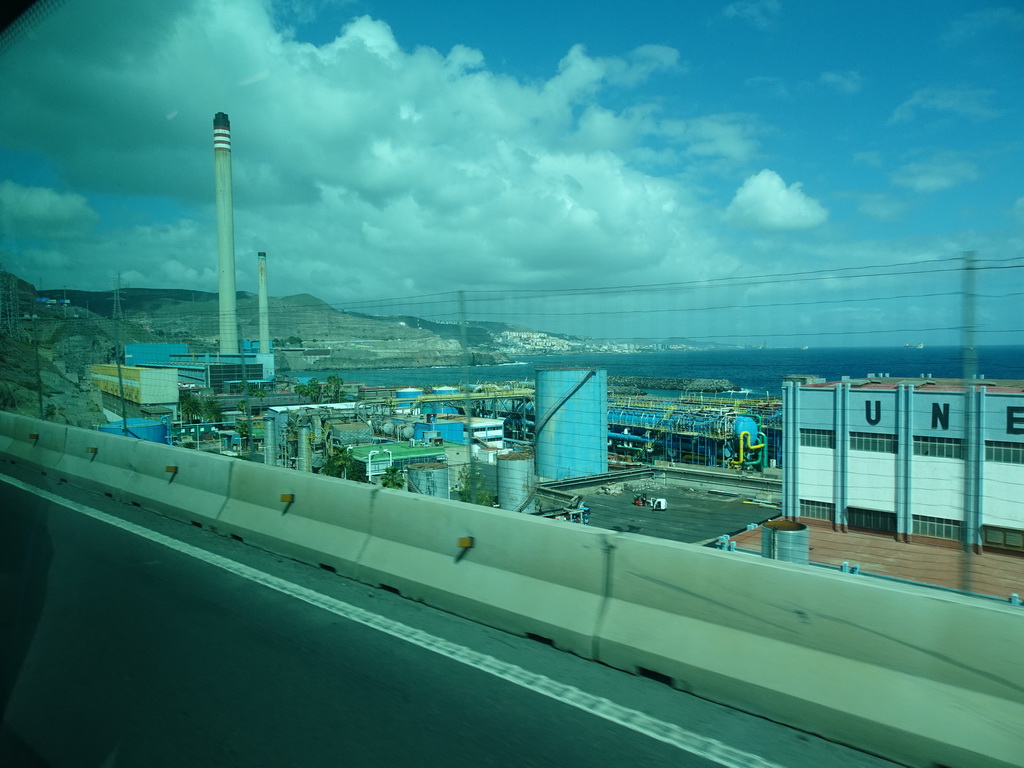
639, 385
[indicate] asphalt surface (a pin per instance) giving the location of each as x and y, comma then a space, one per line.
122, 650
692, 516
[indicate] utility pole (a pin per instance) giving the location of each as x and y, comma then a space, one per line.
117, 315
39, 373
972, 448
464, 335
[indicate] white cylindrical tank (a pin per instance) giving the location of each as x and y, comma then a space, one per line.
516, 482
430, 479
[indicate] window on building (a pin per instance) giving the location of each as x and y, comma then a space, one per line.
937, 527
1003, 538
940, 447
1005, 453
819, 510
868, 441
871, 519
817, 438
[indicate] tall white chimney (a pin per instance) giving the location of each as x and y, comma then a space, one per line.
225, 235
261, 263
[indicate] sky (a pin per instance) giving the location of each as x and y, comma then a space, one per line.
758, 171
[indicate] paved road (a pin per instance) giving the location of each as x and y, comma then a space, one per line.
160, 647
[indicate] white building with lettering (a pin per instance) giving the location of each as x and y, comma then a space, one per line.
936, 458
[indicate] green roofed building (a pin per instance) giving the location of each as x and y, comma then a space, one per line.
375, 459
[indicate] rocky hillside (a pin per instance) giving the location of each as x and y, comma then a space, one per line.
332, 338
58, 352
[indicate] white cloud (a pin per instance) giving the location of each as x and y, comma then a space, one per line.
39, 212
730, 136
759, 13
872, 158
765, 202
935, 174
1018, 210
967, 102
368, 167
973, 25
844, 82
770, 86
882, 207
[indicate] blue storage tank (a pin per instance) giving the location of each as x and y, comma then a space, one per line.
406, 396
745, 424
445, 391
143, 429
572, 422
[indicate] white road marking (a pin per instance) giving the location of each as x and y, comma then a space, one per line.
637, 721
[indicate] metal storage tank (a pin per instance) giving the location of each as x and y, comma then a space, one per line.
143, 429
516, 482
572, 422
430, 479
270, 441
785, 540
406, 395
445, 391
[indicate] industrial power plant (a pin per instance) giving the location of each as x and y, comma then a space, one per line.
551, 444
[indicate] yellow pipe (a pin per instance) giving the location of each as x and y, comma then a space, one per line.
739, 462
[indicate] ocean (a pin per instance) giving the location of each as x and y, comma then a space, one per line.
759, 370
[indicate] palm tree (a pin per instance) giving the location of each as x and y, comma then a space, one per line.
191, 408
339, 463
393, 478
314, 390
335, 389
310, 390
212, 410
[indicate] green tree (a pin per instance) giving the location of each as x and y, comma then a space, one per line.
212, 410
471, 486
393, 478
191, 408
314, 390
242, 427
335, 390
311, 390
339, 464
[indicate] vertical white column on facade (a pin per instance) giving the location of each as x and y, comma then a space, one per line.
904, 460
974, 464
841, 459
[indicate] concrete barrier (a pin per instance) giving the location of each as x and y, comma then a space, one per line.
97, 461
34, 444
919, 676
916, 675
186, 485
522, 574
7, 421
312, 518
